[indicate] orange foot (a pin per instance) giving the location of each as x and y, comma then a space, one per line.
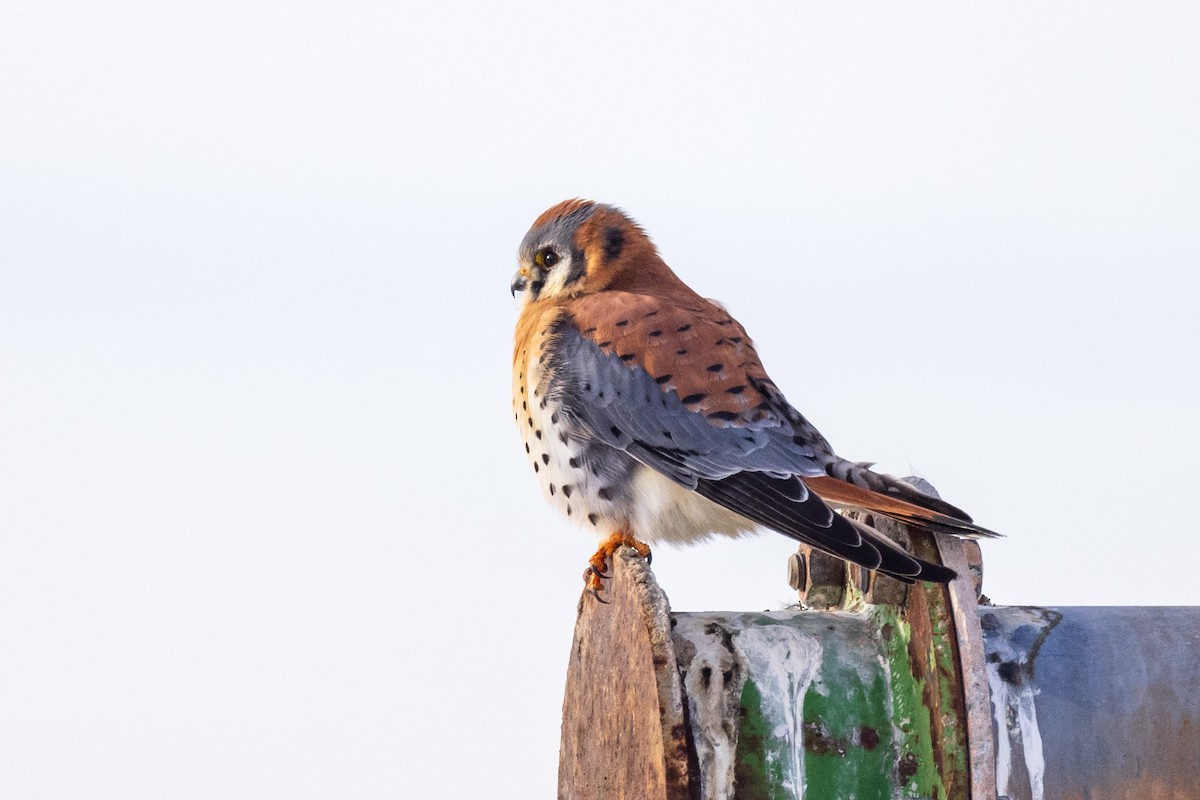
596, 572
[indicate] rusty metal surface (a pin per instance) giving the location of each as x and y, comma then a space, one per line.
963, 595
1095, 703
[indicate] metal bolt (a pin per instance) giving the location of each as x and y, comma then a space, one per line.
797, 572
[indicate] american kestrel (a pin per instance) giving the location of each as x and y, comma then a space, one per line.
647, 415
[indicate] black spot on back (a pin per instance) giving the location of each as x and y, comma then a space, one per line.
693, 398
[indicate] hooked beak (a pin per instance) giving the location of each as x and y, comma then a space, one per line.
519, 282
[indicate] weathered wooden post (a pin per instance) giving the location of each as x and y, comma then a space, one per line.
879, 690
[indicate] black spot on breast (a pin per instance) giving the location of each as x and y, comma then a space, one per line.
552, 490
524, 406
592, 518
546, 458
538, 434
554, 418
536, 467
573, 463
567, 490
568, 510
604, 494
715, 367
562, 437
693, 398
530, 420
614, 242
527, 447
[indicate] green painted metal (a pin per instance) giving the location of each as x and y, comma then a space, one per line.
877, 721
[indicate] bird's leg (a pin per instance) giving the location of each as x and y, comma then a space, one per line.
598, 563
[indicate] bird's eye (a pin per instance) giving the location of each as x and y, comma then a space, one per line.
546, 258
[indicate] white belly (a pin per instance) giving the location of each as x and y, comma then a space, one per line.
664, 511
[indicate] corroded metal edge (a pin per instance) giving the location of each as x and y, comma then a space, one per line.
963, 594
656, 616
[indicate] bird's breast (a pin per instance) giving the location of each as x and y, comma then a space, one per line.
587, 480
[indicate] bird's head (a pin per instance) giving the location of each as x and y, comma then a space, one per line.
580, 247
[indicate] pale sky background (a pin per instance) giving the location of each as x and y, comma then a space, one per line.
266, 529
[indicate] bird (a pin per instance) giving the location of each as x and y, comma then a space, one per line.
647, 415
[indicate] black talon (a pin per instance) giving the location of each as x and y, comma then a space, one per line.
649, 557
596, 594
